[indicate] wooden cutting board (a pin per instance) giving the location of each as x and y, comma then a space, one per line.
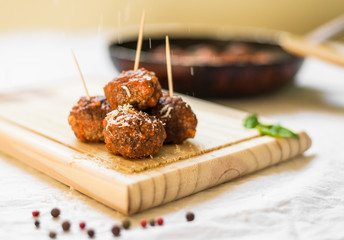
34, 129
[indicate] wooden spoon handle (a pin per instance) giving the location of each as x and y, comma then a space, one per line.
303, 47
327, 30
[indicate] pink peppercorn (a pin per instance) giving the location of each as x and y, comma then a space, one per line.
35, 213
82, 225
160, 221
144, 223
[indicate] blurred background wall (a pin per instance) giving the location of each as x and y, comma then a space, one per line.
298, 16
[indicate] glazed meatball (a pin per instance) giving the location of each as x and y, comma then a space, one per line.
140, 88
86, 118
179, 120
132, 133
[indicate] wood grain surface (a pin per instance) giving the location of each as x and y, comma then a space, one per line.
34, 129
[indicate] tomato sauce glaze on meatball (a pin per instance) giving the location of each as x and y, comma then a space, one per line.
179, 120
140, 88
132, 133
86, 118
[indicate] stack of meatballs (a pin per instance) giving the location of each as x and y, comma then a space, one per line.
135, 118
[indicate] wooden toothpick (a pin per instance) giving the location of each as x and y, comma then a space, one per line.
169, 67
139, 42
82, 78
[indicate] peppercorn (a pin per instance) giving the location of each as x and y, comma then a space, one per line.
52, 234
126, 223
91, 233
55, 212
152, 222
35, 213
160, 221
82, 225
37, 223
66, 226
116, 230
190, 216
143, 223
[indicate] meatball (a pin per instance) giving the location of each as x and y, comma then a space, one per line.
180, 122
140, 88
132, 133
86, 118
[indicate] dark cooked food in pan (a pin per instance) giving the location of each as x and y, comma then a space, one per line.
132, 133
205, 66
86, 118
207, 54
178, 117
139, 88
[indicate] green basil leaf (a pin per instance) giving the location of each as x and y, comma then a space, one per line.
251, 121
280, 131
276, 130
264, 129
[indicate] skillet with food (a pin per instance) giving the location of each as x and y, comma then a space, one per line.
208, 67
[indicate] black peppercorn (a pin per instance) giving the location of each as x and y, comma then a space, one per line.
52, 234
152, 222
66, 226
190, 216
90, 233
55, 212
37, 223
126, 224
116, 230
